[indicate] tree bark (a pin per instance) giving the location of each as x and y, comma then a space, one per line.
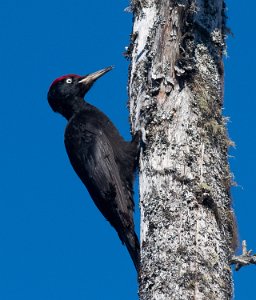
188, 230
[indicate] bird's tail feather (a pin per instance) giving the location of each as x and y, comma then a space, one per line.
133, 246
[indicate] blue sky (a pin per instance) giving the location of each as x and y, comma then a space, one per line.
54, 244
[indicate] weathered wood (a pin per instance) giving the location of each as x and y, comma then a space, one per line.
245, 259
176, 93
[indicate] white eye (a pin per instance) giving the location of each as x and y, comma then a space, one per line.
69, 80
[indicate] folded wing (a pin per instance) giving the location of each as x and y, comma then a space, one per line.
92, 156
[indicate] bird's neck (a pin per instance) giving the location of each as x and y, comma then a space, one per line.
73, 106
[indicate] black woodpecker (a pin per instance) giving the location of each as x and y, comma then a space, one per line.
102, 159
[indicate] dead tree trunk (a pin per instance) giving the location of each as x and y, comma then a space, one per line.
176, 94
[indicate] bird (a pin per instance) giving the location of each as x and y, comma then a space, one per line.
102, 159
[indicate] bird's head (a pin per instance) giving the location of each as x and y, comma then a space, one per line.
65, 90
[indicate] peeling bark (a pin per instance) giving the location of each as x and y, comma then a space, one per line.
188, 231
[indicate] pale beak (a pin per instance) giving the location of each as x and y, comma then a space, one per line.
92, 77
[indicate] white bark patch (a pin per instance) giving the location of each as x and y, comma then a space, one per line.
142, 26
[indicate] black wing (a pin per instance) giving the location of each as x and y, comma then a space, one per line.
92, 156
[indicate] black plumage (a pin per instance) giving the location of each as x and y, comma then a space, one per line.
102, 159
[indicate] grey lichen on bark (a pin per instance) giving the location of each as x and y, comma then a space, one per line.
188, 230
